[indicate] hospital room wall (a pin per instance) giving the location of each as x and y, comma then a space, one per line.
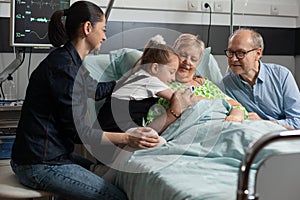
283, 29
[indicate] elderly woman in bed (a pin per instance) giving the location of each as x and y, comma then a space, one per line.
190, 49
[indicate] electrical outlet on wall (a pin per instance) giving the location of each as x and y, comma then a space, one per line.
274, 10
218, 6
203, 5
192, 5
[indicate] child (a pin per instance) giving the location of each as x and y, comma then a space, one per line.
191, 48
135, 94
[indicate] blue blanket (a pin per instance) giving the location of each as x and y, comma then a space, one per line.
201, 158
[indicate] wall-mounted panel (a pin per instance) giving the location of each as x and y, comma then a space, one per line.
153, 16
259, 7
297, 43
278, 41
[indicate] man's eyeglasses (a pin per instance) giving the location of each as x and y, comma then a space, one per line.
238, 54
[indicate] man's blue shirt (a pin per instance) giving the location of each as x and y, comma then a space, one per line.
274, 96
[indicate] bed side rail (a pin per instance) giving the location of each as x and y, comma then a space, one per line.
253, 149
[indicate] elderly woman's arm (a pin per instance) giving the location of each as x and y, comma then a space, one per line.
237, 113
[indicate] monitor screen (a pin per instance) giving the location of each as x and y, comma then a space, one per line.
29, 21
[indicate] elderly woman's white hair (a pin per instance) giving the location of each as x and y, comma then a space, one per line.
188, 39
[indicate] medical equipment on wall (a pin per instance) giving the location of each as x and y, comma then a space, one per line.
33, 35
6, 79
9, 88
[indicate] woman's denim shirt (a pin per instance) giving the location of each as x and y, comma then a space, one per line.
54, 109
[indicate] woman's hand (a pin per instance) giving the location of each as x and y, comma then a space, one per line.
200, 98
234, 118
199, 79
236, 115
142, 137
254, 116
233, 102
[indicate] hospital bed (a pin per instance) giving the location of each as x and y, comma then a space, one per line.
163, 174
277, 177
193, 166
202, 156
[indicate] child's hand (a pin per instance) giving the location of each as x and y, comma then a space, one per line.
181, 101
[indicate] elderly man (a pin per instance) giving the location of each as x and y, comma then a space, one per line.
268, 91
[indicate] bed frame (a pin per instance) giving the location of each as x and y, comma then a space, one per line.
277, 177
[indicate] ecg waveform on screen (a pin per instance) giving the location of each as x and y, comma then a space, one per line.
20, 2
32, 18
22, 35
40, 3
40, 19
51, 4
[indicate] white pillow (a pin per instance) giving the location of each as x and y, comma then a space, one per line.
107, 67
97, 65
209, 67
